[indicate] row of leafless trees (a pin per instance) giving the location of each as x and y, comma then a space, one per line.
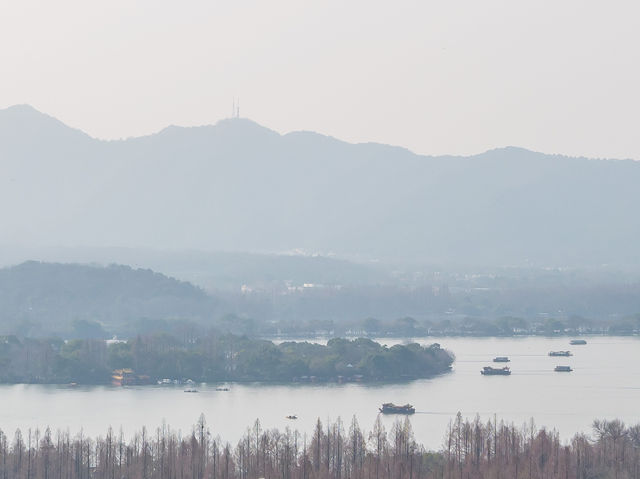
498, 450
472, 449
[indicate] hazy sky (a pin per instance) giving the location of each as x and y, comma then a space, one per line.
435, 76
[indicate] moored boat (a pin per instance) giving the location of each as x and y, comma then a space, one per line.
390, 408
501, 359
489, 371
578, 341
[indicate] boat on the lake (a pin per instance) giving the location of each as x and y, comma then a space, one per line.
489, 371
578, 341
560, 353
563, 369
501, 359
292, 416
222, 389
390, 408
190, 390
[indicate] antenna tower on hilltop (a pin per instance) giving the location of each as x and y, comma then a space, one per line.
235, 109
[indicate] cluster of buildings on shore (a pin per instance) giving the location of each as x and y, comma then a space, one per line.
127, 377
356, 378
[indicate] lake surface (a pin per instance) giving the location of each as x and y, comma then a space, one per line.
605, 383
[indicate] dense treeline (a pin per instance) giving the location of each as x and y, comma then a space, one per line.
407, 327
471, 449
603, 302
75, 301
213, 357
468, 326
28, 360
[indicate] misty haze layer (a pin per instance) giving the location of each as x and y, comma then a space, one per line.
239, 186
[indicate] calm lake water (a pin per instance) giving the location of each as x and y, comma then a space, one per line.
605, 383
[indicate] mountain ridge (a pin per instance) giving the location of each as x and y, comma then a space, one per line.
238, 186
25, 109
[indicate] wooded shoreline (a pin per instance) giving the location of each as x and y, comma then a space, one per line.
214, 358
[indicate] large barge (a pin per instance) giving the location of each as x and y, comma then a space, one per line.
489, 371
390, 408
560, 353
563, 369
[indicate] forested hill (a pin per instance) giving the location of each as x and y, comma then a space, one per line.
40, 298
238, 186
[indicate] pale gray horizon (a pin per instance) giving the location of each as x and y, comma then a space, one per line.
435, 77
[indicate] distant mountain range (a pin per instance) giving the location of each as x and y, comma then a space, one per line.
238, 186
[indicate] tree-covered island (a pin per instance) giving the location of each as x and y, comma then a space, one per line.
214, 358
